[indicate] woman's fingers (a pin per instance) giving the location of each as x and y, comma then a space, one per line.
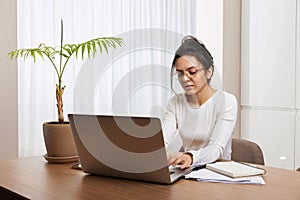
173, 157
179, 158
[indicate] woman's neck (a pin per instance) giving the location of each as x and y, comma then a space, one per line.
201, 97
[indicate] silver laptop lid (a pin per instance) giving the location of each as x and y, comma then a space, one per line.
121, 146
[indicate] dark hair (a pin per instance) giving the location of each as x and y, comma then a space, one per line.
193, 47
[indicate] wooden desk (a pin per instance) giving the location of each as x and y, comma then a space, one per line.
33, 178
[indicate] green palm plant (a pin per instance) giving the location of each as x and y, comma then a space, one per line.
64, 52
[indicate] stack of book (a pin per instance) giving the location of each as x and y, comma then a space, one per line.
235, 169
229, 172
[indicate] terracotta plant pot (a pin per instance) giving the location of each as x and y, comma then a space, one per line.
59, 140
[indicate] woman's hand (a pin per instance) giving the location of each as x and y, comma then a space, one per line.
183, 159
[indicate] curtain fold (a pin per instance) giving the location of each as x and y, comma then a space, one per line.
140, 71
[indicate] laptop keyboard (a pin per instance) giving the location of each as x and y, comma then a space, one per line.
172, 169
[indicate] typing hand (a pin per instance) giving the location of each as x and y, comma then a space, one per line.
183, 159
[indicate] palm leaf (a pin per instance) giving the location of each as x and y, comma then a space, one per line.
88, 49
94, 49
32, 53
104, 45
82, 50
99, 45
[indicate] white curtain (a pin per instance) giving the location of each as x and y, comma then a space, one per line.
133, 79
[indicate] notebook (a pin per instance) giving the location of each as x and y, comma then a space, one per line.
235, 169
123, 147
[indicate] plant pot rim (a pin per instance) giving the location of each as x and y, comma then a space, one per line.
56, 123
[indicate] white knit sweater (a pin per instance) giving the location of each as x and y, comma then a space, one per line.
206, 130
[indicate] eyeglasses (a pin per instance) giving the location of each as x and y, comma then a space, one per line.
190, 73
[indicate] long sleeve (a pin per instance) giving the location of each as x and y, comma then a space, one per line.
221, 132
170, 124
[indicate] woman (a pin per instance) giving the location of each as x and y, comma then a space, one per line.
203, 117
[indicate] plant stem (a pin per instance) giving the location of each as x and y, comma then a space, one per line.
59, 88
59, 94
60, 56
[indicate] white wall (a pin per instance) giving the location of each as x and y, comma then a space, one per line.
8, 81
210, 29
269, 89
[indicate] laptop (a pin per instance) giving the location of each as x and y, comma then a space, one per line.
124, 147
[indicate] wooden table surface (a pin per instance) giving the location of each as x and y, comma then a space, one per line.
34, 178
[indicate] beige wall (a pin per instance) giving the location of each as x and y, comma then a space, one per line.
8, 81
232, 52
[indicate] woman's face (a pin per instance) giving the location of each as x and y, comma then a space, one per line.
191, 74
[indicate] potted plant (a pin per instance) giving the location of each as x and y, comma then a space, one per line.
62, 142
